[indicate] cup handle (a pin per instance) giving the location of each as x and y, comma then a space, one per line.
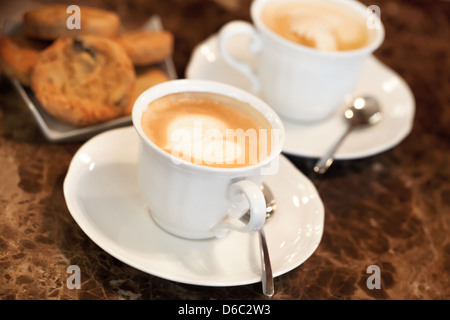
230, 30
245, 196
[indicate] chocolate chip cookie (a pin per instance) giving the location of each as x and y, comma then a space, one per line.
84, 80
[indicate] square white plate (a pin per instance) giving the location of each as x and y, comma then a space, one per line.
57, 131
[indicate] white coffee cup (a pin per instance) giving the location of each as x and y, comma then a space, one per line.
297, 81
195, 201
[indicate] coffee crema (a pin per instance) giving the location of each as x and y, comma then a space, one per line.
208, 129
323, 25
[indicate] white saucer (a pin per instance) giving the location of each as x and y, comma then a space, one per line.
102, 195
313, 140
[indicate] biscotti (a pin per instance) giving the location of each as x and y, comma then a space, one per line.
146, 47
145, 79
18, 55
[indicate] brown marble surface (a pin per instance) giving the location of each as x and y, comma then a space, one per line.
391, 209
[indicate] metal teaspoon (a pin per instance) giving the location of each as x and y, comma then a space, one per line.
267, 275
363, 111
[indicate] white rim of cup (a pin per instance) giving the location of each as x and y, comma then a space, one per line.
191, 85
258, 5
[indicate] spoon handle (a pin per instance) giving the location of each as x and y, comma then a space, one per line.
267, 276
327, 159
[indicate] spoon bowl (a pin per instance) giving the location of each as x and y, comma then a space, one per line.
362, 112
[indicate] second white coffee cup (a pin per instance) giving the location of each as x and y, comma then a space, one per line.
299, 82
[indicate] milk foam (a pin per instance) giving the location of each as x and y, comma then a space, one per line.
208, 129
315, 30
201, 138
328, 28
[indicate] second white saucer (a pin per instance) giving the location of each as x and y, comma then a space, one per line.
102, 195
313, 140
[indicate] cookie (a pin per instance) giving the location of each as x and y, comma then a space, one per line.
18, 55
146, 47
50, 22
83, 80
145, 79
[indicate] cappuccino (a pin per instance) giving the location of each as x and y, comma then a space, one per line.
322, 25
208, 129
